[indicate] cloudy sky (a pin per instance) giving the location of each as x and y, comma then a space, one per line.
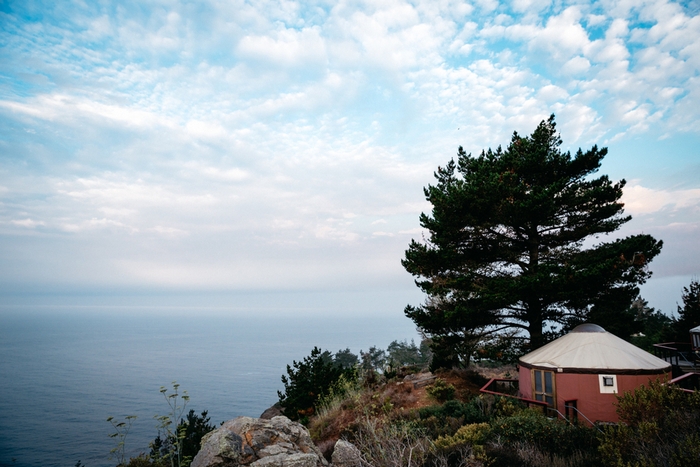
234, 151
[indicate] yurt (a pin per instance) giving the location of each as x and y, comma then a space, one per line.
581, 373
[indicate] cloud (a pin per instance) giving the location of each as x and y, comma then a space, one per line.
286, 47
28, 223
241, 143
642, 200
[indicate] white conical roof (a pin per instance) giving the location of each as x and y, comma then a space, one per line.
590, 348
695, 329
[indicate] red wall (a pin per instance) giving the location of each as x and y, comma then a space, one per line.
586, 390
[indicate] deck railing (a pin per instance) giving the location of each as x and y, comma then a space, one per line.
512, 383
678, 354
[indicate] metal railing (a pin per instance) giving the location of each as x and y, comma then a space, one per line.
524, 400
678, 354
686, 380
545, 407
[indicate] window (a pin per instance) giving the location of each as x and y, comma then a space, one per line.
543, 385
608, 384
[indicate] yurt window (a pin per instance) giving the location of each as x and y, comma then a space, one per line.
608, 384
543, 382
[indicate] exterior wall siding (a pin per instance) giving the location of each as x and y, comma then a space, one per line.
585, 389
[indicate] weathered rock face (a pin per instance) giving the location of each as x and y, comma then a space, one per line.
345, 454
273, 411
254, 442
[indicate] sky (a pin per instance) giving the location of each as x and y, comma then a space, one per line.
272, 154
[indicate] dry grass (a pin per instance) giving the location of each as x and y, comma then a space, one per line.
391, 400
391, 445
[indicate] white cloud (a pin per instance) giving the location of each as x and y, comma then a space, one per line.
642, 200
287, 47
530, 6
97, 224
247, 130
28, 223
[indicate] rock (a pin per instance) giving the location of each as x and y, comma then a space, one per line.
273, 411
346, 454
256, 442
420, 379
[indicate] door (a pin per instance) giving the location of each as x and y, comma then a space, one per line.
543, 386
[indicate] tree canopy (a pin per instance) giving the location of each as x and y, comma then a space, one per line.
511, 246
311, 379
688, 314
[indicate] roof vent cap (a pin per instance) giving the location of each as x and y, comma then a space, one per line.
588, 327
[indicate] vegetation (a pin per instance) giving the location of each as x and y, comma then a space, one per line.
396, 424
688, 314
652, 326
174, 437
309, 381
177, 446
441, 390
392, 425
191, 430
121, 430
506, 248
658, 426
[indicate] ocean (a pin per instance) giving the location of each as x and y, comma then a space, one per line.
64, 370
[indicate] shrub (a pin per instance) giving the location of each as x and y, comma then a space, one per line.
307, 382
472, 434
446, 419
191, 431
441, 390
479, 409
550, 435
658, 426
400, 444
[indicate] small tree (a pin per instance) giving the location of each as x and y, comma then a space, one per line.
373, 360
652, 324
345, 359
405, 354
307, 382
688, 314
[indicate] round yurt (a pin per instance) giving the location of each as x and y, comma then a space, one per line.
581, 373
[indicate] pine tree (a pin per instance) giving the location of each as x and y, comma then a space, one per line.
509, 246
689, 314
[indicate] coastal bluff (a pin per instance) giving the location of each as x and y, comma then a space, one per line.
259, 442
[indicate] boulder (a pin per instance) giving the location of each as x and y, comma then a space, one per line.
346, 454
273, 411
255, 442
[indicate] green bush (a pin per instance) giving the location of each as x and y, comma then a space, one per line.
308, 382
658, 426
446, 419
551, 435
441, 390
472, 434
191, 430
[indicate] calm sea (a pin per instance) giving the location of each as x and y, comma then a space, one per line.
64, 371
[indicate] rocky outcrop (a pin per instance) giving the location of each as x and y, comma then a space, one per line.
345, 454
273, 411
254, 442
